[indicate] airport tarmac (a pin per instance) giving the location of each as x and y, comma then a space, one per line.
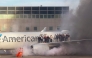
9, 56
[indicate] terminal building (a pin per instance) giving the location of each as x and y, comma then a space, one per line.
31, 18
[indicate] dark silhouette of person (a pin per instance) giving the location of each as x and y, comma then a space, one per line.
47, 39
39, 39
67, 37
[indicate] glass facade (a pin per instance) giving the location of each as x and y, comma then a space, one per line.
19, 8
43, 8
27, 8
11, 8
34, 12
3, 12
50, 8
11, 12
3, 8
27, 12
19, 12
35, 8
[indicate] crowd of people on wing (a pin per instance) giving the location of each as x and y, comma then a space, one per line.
57, 37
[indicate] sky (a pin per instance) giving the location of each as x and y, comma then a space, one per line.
71, 3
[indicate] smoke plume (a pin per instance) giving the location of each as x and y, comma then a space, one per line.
67, 48
79, 24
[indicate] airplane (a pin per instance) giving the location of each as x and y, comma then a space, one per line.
13, 40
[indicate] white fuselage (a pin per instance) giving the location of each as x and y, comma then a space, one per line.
17, 39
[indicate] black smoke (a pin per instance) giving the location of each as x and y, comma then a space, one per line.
80, 23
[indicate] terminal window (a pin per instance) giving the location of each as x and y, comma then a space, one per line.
11, 12
19, 8
21, 16
27, 8
25, 16
27, 12
19, 12
3, 8
58, 8
41, 16
50, 12
3, 12
35, 8
27, 28
56, 16
29, 16
58, 12
50, 28
45, 16
50, 8
37, 16
35, 28
64, 11
52, 16
43, 12
35, 12
11, 8
33, 16
17, 16
43, 8
65, 8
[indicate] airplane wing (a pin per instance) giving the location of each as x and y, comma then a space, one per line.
44, 29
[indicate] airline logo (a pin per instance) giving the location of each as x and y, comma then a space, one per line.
0, 35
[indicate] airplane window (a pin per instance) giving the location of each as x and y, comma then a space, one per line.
58, 28
50, 28
27, 28
35, 28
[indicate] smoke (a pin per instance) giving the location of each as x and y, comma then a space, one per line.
67, 48
79, 24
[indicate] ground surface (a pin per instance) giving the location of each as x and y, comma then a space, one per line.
9, 56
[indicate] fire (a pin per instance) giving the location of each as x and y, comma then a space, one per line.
20, 53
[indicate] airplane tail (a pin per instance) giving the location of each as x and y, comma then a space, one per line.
44, 29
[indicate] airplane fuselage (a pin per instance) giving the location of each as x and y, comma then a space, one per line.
12, 40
